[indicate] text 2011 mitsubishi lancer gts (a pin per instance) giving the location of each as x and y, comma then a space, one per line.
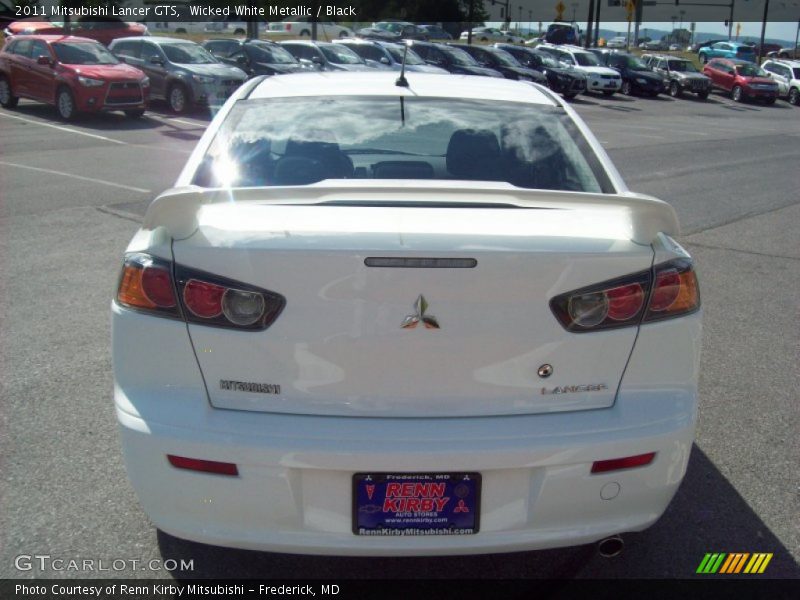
383, 319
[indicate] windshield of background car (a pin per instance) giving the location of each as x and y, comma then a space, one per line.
586, 59
505, 58
83, 53
341, 55
750, 71
299, 141
460, 57
187, 54
270, 54
635, 64
682, 66
796, 73
412, 58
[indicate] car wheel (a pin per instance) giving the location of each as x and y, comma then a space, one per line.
702, 95
703, 59
794, 96
305, 33
769, 101
483, 39
570, 96
7, 98
178, 98
675, 89
627, 89
342, 35
239, 31
65, 104
737, 94
609, 93
180, 30
134, 114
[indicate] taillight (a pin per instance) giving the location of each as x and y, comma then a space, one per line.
618, 464
204, 466
288, 27
147, 284
670, 290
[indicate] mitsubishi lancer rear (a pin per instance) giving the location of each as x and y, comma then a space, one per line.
404, 316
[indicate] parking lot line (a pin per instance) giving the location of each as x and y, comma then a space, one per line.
81, 177
67, 129
178, 120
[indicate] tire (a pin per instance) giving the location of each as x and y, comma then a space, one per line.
609, 93
703, 59
305, 33
178, 98
570, 96
180, 30
675, 89
239, 31
134, 114
627, 88
794, 96
737, 94
343, 35
483, 39
7, 97
769, 101
65, 104
702, 95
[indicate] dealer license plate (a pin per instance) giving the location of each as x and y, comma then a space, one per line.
416, 503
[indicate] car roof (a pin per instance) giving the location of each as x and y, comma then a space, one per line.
383, 83
50, 37
154, 39
785, 62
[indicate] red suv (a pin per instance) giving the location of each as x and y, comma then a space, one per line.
742, 79
75, 74
102, 29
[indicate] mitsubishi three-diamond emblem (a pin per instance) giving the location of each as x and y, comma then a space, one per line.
420, 307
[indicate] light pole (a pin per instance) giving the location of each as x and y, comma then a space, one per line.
519, 20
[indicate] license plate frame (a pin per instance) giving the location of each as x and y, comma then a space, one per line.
447, 503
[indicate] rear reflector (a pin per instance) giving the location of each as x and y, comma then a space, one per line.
205, 466
617, 464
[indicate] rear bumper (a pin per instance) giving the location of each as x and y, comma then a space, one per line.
293, 491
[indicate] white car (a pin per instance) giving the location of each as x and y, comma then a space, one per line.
491, 34
617, 42
786, 73
598, 78
302, 27
383, 319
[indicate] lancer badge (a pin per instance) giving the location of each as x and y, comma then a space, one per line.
420, 307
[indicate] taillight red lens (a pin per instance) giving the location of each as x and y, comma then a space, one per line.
617, 464
288, 27
204, 466
625, 301
203, 299
157, 285
665, 290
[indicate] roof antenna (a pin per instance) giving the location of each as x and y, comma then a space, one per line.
402, 81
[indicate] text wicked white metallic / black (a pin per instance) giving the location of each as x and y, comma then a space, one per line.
493, 205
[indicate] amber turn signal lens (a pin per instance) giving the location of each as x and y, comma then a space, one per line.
131, 292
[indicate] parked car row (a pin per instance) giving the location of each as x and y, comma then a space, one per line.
80, 75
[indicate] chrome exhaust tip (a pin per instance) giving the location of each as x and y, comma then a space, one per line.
610, 547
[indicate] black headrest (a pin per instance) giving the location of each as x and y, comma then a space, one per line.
473, 154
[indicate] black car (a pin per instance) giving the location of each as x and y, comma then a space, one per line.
254, 57
568, 82
502, 61
393, 31
637, 77
451, 59
435, 32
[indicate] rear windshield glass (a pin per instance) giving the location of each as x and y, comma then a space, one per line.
341, 55
299, 141
684, 66
271, 54
83, 53
751, 71
411, 57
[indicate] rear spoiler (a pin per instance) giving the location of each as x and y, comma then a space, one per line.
177, 209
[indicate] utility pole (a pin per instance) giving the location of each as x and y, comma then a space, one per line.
597, 23
470, 17
763, 31
587, 42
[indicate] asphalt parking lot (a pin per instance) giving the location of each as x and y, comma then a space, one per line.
71, 196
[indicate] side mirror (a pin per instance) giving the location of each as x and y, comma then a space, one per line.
156, 60
44, 60
384, 60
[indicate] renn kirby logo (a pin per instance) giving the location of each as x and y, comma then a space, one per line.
734, 563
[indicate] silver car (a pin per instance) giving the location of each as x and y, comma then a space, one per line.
181, 72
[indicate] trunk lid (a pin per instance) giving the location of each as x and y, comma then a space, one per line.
339, 346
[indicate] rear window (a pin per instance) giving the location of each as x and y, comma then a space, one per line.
299, 141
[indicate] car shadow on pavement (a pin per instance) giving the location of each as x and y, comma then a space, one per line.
706, 515
100, 121
582, 99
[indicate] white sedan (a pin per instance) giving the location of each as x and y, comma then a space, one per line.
491, 34
303, 27
384, 319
